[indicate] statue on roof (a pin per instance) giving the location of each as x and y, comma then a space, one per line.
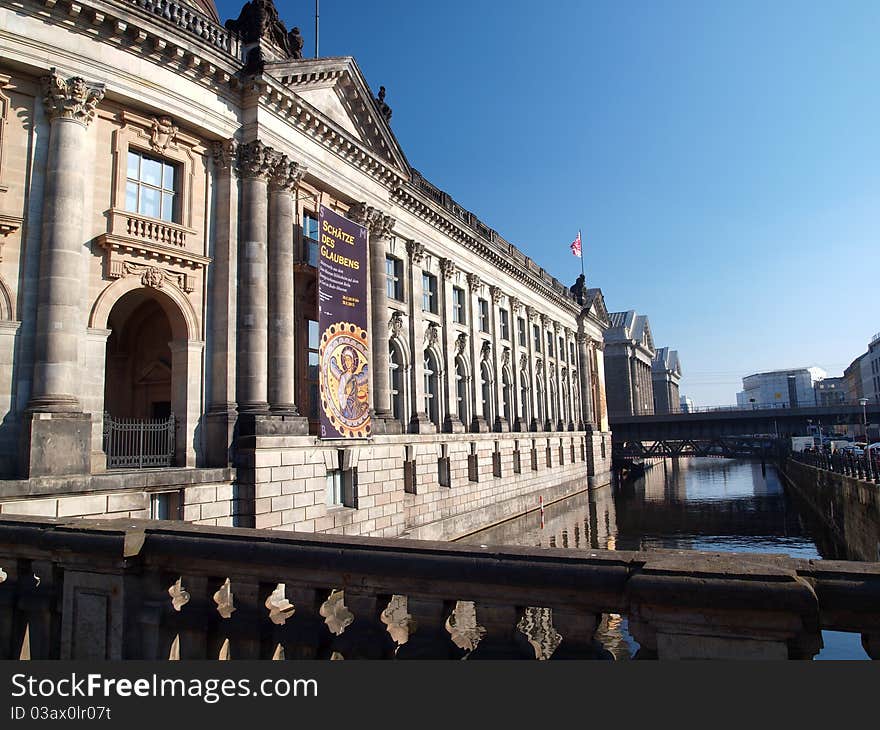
295, 42
383, 107
579, 289
259, 20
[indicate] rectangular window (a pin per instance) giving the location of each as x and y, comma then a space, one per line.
151, 187
334, 487
484, 315
521, 328
571, 352
458, 314
429, 293
394, 274
549, 344
537, 336
505, 325
561, 348
165, 506
310, 239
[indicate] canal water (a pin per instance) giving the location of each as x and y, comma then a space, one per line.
721, 505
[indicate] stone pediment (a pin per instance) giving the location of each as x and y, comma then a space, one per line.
337, 90
595, 305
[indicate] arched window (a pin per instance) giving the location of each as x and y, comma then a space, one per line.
486, 391
432, 401
524, 401
551, 404
506, 396
461, 392
395, 363
539, 393
565, 404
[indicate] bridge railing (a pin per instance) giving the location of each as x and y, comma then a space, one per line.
784, 406
104, 589
864, 466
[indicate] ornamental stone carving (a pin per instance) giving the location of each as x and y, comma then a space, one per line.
258, 20
505, 356
395, 324
545, 321
531, 313
486, 350
432, 334
153, 277
256, 160
163, 134
225, 154
524, 362
447, 268
71, 98
378, 223
416, 252
515, 305
497, 294
583, 338
461, 344
474, 282
286, 174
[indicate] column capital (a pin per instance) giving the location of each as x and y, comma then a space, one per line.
474, 282
497, 294
378, 223
515, 305
448, 268
72, 98
416, 252
256, 160
531, 313
225, 154
286, 175
545, 321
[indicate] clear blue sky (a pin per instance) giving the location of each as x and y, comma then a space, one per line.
722, 158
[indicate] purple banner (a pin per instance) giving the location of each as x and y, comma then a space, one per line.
342, 320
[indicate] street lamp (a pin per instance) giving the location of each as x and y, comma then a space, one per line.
864, 402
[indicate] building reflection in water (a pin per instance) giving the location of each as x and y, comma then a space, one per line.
710, 504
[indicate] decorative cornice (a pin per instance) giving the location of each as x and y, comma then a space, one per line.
256, 160
416, 252
72, 98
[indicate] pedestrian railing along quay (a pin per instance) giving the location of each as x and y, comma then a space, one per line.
865, 467
129, 589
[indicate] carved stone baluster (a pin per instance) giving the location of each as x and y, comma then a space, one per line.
578, 631
503, 640
366, 637
194, 618
428, 637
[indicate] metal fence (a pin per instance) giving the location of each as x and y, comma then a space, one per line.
137, 443
864, 466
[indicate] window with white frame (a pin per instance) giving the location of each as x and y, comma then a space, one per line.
458, 310
151, 187
394, 276
429, 293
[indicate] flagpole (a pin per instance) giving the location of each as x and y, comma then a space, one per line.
583, 273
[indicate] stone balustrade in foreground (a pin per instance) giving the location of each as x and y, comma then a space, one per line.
138, 589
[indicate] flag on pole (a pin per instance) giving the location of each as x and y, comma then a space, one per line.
576, 245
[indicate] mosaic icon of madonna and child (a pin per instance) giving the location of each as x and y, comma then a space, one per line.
345, 380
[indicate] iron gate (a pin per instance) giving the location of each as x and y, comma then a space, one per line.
137, 443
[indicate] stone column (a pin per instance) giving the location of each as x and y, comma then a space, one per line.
498, 350
516, 405
452, 420
222, 277
186, 364
379, 226
56, 433
419, 421
256, 164
281, 340
633, 385
531, 316
548, 396
585, 372
560, 393
478, 421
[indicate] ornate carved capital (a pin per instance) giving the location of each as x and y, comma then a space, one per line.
416, 252
515, 305
584, 339
225, 154
497, 294
163, 134
474, 282
256, 160
72, 98
395, 324
286, 175
448, 268
378, 223
531, 313
545, 321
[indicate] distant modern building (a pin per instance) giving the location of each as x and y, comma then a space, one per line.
666, 374
780, 388
629, 354
686, 404
862, 377
830, 391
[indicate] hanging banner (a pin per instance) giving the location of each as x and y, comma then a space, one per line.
342, 320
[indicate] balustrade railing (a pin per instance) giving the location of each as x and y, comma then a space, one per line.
189, 19
865, 466
151, 590
138, 443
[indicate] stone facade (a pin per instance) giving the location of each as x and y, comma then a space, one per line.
629, 354
159, 188
666, 376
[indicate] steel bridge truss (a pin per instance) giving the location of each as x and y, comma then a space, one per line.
723, 447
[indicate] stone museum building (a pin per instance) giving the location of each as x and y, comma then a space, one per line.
161, 176
629, 357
